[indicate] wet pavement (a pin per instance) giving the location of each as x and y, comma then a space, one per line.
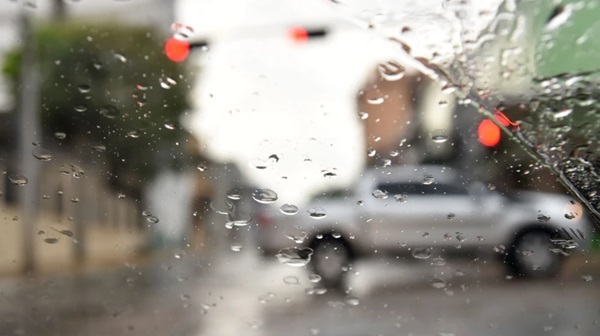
243, 294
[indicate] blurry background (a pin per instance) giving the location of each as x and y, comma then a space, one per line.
118, 163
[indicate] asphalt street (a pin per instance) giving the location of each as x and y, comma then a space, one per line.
237, 293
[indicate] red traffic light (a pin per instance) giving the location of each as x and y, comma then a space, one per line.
298, 34
488, 133
177, 50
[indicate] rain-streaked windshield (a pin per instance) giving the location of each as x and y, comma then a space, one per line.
299, 167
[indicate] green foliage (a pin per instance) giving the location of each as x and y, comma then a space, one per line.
102, 84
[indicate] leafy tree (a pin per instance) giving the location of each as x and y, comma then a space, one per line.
115, 95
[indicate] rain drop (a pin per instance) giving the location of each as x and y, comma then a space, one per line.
83, 88
317, 213
380, 194
421, 252
314, 278
42, 154
543, 218
234, 194
264, 196
439, 261
391, 71
375, 100
60, 135
152, 219
19, 180
98, 147
427, 180
288, 209
133, 134
363, 115
294, 256
109, 111
291, 280
236, 247
438, 283
439, 137
51, 240
201, 167
80, 108
352, 300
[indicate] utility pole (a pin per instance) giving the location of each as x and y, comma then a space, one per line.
28, 129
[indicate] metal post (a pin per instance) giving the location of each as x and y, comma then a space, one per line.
28, 128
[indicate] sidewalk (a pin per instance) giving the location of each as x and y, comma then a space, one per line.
54, 251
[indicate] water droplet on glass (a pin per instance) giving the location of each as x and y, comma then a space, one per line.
336, 235
289, 209
236, 247
152, 219
352, 300
273, 158
234, 194
427, 180
543, 218
84, 88
391, 71
439, 261
314, 278
51, 240
264, 196
42, 154
587, 278
170, 126
363, 115
294, 256
375, 100
439, 137
98, 147
60, 135
426, 234
291, 280
371, 152
499, 248
75, 200
201, 167
120, 57
166, 82
329, 174
121, 196
394, 153
317, 213
238, 222
451, 215
563, 113
109, 111
134, 134
19, 180
401, 198
380, 194
80, 108
421, 252
360, 203
438, 283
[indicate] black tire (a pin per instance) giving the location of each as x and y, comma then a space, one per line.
530, 255
330, 260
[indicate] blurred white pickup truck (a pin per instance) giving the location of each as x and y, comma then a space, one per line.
423, 212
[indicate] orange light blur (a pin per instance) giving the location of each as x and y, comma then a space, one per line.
489, 133
177, 50
298, 34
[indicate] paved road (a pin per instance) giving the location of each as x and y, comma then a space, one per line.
240, 294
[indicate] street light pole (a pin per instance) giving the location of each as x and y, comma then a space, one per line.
28, 129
